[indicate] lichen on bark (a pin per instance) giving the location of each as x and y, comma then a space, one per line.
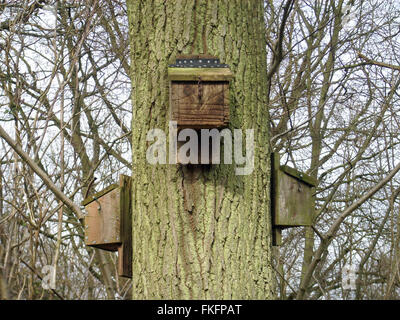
199, 232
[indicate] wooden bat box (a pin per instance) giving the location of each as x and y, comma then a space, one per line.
199, 92
292, 198
108, 223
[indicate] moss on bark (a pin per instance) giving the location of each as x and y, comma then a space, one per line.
200, 232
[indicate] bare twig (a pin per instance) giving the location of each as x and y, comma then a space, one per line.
50, 184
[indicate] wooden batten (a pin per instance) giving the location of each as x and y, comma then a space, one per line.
125, 249
304, 178
204, 74
99, 194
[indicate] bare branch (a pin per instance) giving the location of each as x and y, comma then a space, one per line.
32, 164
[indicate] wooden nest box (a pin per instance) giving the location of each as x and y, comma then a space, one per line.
108, 223
292, 198
199, 92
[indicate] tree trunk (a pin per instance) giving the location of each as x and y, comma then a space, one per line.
200, 232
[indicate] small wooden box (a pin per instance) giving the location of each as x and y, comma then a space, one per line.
199, 92
292, 196
108, 223
102, 223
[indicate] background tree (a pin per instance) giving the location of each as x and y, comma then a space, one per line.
64, 101
332, 115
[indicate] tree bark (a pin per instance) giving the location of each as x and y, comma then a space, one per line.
200, 232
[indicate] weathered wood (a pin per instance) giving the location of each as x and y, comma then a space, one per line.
108, 224
99, 194
274, 186
193, 74
292, 195
102, 222
125, 249
295, 202
203, 104
276, 236
299, 175
199, 97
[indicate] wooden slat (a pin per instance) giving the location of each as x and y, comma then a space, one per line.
199, 123
125, 249
299, 175
99, 194
201, 109
200, 117
276, 236
206, 74
274, 187
188, 92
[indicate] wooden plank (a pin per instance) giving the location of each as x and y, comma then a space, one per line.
188, 92
99, 194
208, 112
102, 223
200, 117
292, 197
276, 236
295, 202
205, 74
299, 175
274, 187
200, 126
125, 249
205, 109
